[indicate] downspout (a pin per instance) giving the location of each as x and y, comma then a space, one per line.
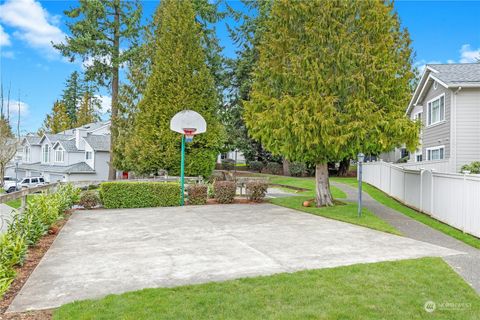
454, 123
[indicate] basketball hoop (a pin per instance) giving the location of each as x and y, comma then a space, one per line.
188, 123
189, 133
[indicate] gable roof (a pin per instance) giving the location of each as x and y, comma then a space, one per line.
98, 142
89, 127
53, 138
453, 75
68, 145
80, 167
32, 140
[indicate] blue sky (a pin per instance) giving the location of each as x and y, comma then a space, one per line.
442, 32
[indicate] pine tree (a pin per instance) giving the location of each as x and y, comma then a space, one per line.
97, 29
58, 120
72, 95
86, 112
332, 81
180, 80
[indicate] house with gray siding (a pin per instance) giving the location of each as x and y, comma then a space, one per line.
78, 154
447, 102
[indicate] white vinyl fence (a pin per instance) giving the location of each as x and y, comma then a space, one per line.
449, 197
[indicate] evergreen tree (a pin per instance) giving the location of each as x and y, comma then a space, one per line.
97, 28
58, 120
8, 146
180, 80
86, 113
332, 81
72, 95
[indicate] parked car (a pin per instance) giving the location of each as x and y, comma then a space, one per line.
32, 182
9, 184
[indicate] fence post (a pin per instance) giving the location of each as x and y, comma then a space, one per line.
23, 205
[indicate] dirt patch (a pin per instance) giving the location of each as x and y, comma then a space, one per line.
34, 255
236, 201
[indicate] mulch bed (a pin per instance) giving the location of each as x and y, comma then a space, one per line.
34, 255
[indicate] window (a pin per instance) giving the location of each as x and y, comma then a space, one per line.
46, 153
88, 155
34, 180
41, 180
59, 155
436, 153
418, 158
27, 154
404, 153
436, 110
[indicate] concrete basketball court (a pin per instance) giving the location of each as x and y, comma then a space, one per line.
100, 252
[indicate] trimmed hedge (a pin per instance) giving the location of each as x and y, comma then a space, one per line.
274, 168
224, 191
197, 194
256, 190
124, 194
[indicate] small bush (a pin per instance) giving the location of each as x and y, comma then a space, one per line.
274, 168
224, 191
197, 194
228, 164
256, 190
473, 167
256, 166
125, 194
211, 191
89, 199
298, 169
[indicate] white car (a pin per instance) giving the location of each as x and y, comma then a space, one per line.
9, 184
32, 182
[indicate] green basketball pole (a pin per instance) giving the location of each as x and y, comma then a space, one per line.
182, 173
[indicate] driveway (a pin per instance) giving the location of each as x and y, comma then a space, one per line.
113, 251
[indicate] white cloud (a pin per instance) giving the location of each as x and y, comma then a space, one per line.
13, 107
467, 54
33, 24
105, 103
7, 54
4, 38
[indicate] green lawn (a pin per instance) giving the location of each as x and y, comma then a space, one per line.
383, 198
17, 202
346, 213
387, 290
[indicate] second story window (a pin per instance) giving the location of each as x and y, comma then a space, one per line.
436, 110
27, 154
46, 153
88, 155
59, 155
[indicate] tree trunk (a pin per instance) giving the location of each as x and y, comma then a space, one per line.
286, 167
115, 69
323, 195
343, 168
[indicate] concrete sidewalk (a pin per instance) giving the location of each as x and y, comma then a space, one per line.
6, 214
467, 265
100, 252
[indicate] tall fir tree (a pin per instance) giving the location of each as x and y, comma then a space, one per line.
332, 81
58, 120
72, 95
180, 80
86, 112
97, 28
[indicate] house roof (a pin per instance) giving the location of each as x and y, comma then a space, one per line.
98, 142
68, 145
457, 74
32, 140
453, 75
80, 167
56, 137
89, 127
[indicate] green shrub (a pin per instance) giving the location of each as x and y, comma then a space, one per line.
298, 169
211, 191
256, 190
224, 191
274, 168
197, 194
125, 194
473, 167
228, 164
67, 195
13, 249
89, 199
255, 166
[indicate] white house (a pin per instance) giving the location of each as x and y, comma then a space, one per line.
79, 154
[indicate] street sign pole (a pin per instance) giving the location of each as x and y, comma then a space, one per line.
182, 172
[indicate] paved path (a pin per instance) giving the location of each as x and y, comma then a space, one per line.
100, 252
467, 265
6, 213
